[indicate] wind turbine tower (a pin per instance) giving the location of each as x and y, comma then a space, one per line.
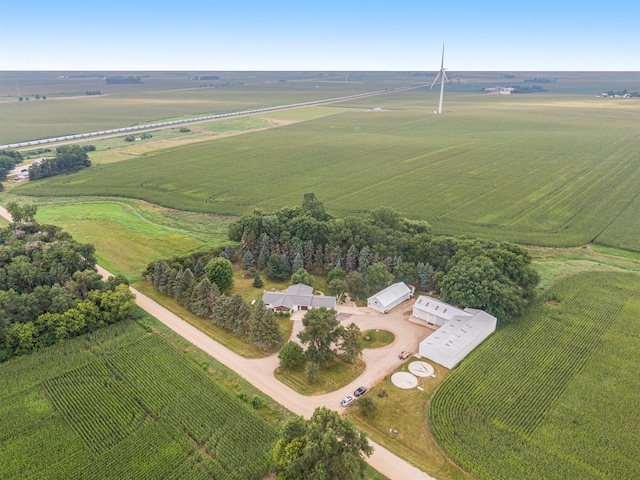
443, 78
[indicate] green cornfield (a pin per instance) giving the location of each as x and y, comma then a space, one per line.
557, 170
554, 394
124, 404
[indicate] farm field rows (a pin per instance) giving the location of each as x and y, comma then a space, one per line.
122, 107
553, 172
124, 404
551, 395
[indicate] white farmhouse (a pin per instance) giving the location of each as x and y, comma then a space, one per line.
460, 330
297, 297
390, 297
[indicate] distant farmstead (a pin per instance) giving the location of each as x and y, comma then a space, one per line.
390, 297
297, 297
460, 330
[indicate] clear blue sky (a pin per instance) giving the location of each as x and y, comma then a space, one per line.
319, 35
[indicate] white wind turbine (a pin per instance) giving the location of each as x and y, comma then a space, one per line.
443, 76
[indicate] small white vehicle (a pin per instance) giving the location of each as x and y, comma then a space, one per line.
348, 400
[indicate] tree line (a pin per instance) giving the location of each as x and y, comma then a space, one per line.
69, 158
364, 254
9, 159
202, 283
49, 287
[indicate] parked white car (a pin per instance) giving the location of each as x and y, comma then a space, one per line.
348, 400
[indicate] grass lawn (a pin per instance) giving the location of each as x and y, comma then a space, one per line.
333, 376
238, 345
406, 412
377, 338
128, 234
554, 264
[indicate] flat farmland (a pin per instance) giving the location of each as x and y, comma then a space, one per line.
553, 395
130, 234
123, 403
547, 169
159, 98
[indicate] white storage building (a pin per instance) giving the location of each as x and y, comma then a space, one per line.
390, 297
460, 333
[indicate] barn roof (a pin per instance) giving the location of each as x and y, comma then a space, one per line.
392, 293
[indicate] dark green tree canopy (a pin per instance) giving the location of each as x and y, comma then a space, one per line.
49, 288
324, 447
302, 276
322, 331
220, 272
277, 267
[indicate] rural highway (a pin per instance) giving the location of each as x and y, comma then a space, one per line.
259, 372
208, 118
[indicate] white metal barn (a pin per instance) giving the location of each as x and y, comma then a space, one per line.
390, 297
434, 311
459, 334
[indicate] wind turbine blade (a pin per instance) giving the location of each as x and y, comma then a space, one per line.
442, 63
436, 79
446, 79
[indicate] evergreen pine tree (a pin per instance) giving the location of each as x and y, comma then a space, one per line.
318, 258
161, 276
231, 253
200, 302
307, 255
364, 259
247, 260
257, 281
240, 314
351, 261
266, 248
298, 263
173, 280
198, 269
214, 295
220, 311
185, 287
264, 331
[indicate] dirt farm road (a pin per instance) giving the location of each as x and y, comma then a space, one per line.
259, 372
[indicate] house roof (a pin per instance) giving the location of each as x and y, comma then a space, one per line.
298, 295
441, 309
392, 293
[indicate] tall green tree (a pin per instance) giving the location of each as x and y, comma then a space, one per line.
378, 277
325, 447
291, 355
220, 272
351, 344
477, 283
264, 330
278, 267
200, 302
302, 276
321, 333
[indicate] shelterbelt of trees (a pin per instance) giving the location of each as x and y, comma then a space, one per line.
69, 158
49, 287
366, 253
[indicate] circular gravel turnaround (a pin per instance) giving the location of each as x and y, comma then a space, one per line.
404, 380
421, 369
